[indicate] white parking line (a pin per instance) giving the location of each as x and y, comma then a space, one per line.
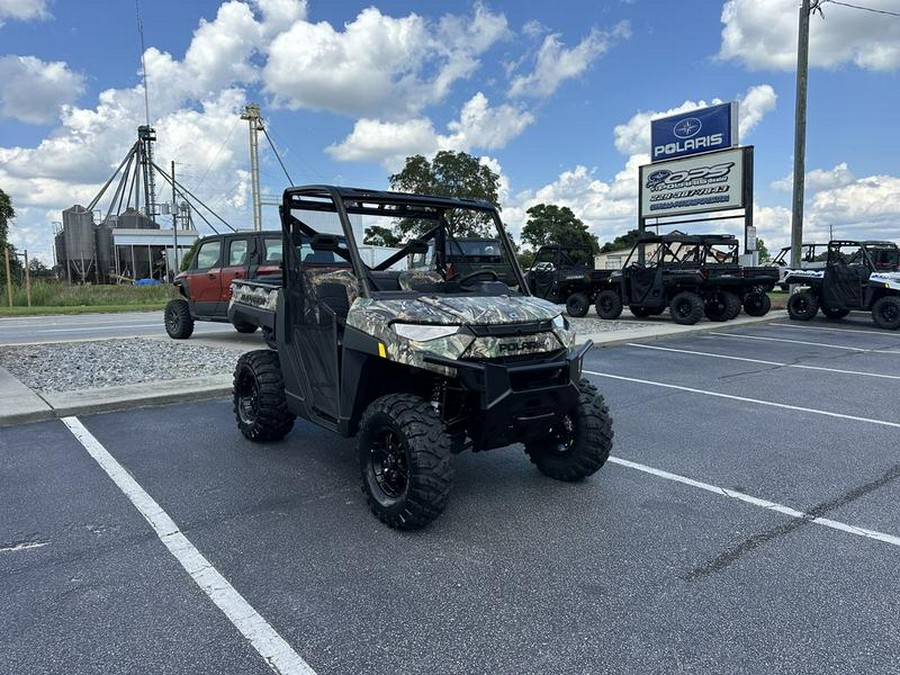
802, 342
765, 363
744, 399
24, 546
756, 501
882, 333
278, 654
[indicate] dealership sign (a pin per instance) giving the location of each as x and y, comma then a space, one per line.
694, 132
711, 182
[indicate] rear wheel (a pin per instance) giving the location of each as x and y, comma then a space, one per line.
886, 312
405, 460
802, 306
242, 327
260, 406
178, 319
757, 304
609, 305
577, 305
834, 312
580, 441
722, 306
686, 308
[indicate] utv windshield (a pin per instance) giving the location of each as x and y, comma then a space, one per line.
401, 244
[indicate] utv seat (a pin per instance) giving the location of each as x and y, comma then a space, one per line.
336, 288
419, 280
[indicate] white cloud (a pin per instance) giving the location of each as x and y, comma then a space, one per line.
762, 34
819, 179
33, 91
479, 127
556, 64
378, 66
23, 10
634, 136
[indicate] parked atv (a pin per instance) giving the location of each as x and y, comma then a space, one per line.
858, 275
416, 364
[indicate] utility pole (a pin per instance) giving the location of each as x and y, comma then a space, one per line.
175, 219
8, 276
800, 132
251, 114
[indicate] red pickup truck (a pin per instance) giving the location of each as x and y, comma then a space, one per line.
204, 288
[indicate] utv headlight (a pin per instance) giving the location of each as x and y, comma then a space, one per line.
561, 323
423, 332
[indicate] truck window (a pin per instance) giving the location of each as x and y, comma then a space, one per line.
208, 255
274, 253
237, 253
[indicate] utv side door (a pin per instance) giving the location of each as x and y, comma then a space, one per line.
844, 281
204, 282
543, 273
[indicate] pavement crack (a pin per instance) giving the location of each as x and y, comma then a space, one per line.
726, 558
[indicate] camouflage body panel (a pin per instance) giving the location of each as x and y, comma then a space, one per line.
315, 277
264, 297
375, 317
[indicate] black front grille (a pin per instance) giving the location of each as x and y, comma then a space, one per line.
511, 329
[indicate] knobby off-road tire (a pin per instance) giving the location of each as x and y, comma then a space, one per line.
757, 304
834, 312
242, 327
802, 306
581, 441
609, 305
405, 461
260, 406
577, 305
722, 306
178, 319
886, 312
686, 308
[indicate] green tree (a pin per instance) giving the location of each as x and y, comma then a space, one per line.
622, 242
762, 249
552, 224
7, 213
380, 236
449, 174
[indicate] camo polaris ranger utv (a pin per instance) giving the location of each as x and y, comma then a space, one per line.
417, 364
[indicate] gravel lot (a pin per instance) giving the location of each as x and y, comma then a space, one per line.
72, 366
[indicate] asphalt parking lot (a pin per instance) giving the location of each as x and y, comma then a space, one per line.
747, 523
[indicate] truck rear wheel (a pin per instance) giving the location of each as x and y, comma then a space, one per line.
580, 441
886, 312
609, 305
686, 308
260, 406
242, 327
802, 306
178, 319
405, 461
722, 306
577, 305
757, 304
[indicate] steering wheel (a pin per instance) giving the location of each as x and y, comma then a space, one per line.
494, 276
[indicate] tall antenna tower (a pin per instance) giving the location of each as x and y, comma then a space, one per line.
146, 133
251, 114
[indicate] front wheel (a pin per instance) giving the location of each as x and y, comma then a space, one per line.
886, 312
579, 442
260, 405
802, 306
577, 305
405, 460
757, 304
178, 319
686, 308
722, 306
609, 305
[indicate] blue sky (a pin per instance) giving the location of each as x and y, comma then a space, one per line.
556, 97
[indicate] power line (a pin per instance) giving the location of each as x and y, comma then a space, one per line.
278, 157
865, 9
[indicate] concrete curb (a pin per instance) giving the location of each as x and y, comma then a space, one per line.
21, 405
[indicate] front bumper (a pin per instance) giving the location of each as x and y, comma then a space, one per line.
518, 403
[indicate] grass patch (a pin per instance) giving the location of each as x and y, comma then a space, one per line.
52, 297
